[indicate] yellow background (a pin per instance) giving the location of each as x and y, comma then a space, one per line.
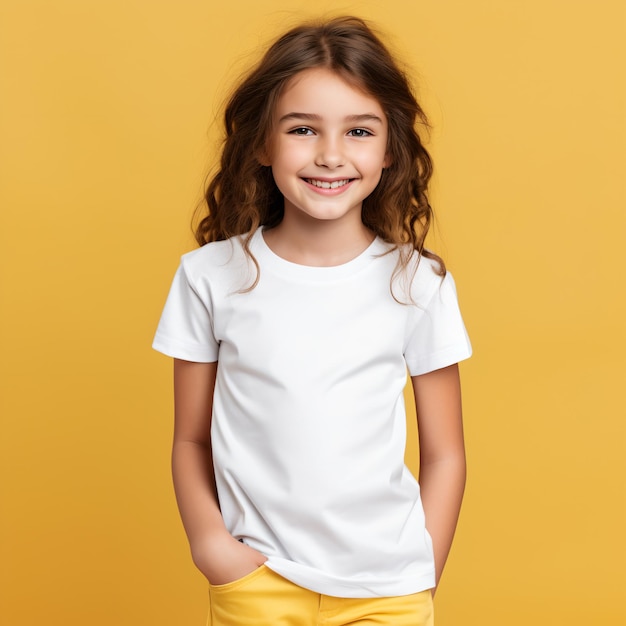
107, 116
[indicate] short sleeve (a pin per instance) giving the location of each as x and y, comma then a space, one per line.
185, 330
437, 336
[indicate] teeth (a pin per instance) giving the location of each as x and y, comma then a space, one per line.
322, 184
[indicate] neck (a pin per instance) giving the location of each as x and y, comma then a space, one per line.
318, 243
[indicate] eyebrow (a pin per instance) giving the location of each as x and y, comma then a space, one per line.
363, 117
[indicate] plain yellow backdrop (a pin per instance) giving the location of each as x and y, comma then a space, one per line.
107, 127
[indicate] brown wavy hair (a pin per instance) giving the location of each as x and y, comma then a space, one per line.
242, 195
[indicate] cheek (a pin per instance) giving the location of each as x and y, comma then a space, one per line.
287, 163
289, 156
375, 162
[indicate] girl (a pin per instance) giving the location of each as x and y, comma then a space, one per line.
292, 330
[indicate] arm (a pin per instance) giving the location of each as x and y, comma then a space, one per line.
442, 455
219, 556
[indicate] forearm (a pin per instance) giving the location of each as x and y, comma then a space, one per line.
196, 495
442, 483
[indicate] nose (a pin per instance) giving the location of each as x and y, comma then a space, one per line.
330, 153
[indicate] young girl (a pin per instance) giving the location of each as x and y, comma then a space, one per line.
292, 330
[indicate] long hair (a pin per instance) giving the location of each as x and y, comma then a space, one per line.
242, 195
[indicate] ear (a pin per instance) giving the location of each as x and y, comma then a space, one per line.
264, 158
388, 160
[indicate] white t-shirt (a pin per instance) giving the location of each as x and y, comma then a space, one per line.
308, 429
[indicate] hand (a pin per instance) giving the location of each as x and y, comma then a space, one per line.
222, 559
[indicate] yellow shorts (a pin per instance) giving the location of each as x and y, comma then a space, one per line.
263, 598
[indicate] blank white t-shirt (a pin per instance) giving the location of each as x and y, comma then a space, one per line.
308, 428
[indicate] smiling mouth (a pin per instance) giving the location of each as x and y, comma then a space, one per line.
324, 184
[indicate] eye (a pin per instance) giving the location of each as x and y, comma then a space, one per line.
301, 130
360, 132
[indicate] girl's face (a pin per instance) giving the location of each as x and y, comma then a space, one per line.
328, 147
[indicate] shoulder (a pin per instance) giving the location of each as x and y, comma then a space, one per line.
214, 259
417, 278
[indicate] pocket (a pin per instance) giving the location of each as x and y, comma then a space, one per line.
239, 582
424, 607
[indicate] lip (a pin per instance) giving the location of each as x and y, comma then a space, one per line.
329, 191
